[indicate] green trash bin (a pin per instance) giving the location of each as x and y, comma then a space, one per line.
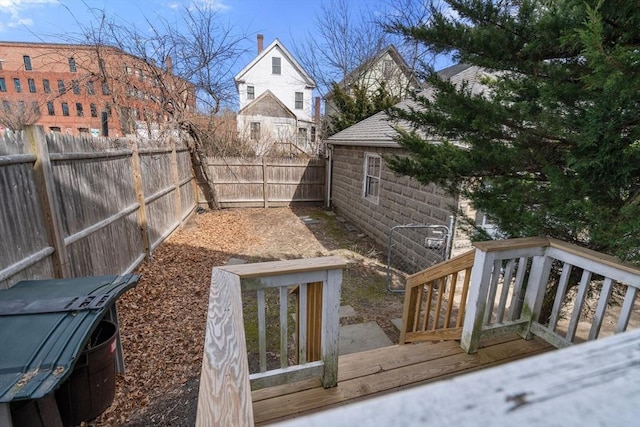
91, 387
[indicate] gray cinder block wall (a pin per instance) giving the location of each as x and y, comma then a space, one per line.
402, 200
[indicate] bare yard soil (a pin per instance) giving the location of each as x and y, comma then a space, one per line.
162, 320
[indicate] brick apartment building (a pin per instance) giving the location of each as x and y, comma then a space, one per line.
85, 89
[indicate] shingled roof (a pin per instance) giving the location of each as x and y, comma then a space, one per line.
378, 130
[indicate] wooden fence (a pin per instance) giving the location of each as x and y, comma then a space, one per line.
74, 206
266, 182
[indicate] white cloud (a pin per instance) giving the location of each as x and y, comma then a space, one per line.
217, 5
17, 9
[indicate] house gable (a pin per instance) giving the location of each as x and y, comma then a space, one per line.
266, 53
267, 104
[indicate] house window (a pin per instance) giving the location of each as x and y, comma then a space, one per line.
105, 88
72, 65
302, 136
35, 107
17, 85
255, 131
275, 65
7, 106
3, 85
27, 62
251, 92
61, 88
94, 110
76, 87
32, 85
90, 89
50, 109
65, 109
299, 100
46, 86
372, 167
79, 111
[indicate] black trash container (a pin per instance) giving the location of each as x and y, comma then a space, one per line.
91, 387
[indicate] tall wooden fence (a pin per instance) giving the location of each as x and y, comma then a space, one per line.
266, 182
74, 206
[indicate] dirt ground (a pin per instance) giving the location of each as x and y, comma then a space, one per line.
163, 318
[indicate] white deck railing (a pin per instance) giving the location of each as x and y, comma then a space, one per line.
225, 385
510, 279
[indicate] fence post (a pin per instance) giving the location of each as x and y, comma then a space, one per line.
45, 187
142, 210
176, 181
265, 185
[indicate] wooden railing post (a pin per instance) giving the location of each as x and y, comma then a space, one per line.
534, 296
476, 304
330, 327
45, 186
224, 398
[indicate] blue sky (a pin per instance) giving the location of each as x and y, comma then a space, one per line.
54, 20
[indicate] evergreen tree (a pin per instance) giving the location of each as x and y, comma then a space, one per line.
357, 104
552, 147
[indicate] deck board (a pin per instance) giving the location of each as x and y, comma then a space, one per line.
372, 373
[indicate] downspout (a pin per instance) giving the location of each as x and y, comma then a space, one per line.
329, 174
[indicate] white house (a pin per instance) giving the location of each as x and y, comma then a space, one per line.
275, 95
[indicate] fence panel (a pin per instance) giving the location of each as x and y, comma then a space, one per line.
264, 182
77, 206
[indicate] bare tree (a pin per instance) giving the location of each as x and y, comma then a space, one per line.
14, 115
343, 38
190, 63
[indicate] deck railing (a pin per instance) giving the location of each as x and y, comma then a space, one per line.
225, 385
433, 307
510, 279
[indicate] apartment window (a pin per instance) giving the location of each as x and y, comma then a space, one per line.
35, 107
372, 167
46, 86
75, 86
21, 107
32, 85
275, 65
61, 88
83, 131
255, 131
65, 109
105, 88
55, 129
90, 89
299, 100
17, 85
251, 92
27, 62
50, 108
72, 65
94, 110
103, 68
7, 106
0, 64
3, 85
79, 111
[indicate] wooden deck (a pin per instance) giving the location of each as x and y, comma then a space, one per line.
375, 372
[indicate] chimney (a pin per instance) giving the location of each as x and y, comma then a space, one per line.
169, 63
260, 43
316, 112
